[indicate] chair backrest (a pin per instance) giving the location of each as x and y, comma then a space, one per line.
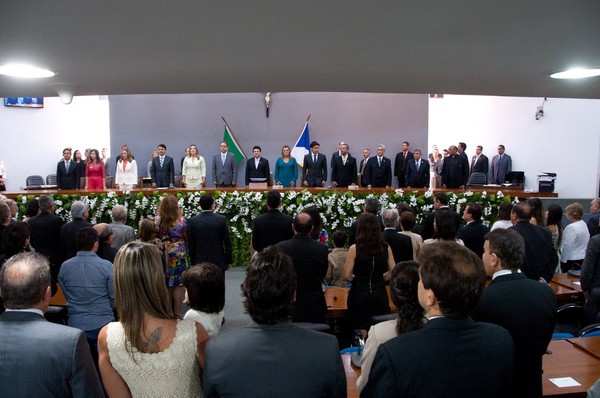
51, 179
478, 179
570, 313
558, 336
34, 181
590, 330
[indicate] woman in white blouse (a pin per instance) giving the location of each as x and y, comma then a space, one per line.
126, 176
575, 239
193, 172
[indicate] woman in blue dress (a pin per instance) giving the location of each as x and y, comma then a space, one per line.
286, 168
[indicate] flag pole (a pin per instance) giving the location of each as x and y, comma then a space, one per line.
234, 138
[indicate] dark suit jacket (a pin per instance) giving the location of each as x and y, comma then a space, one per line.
378, 176
527, 309
540, 257
472, 236
482, 165
455, 171
590, 269
314, 173
163, 176
43, 359
400, 165
281, 360
67, 237
594, 224
209, 240
341, 174
310, 263
361, 168
271, 228
263, 170
428, 230
400, 244
68, 179
44, 233
472, 360
417, 178
224, 174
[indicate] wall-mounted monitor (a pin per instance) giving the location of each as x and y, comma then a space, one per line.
25, 102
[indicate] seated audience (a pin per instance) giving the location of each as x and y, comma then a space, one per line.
590, 279
272, 357
39, 358
149, 352
403, 292
205, 293
121, 233
469, 359
367, 267
504, 221
526, 308
336, 259
540, 256
86, 281
575, 239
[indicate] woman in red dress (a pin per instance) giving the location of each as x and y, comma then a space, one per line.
95, 172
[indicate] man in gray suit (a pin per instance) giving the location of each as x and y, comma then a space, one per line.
224, 167
501, 164
39, 358
272, 356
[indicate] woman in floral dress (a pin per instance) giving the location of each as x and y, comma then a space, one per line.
172, 231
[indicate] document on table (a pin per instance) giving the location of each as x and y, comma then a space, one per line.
565, 382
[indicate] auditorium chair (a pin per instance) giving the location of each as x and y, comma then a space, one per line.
477, 179
569, 318
590, 330
51, 179
34, 181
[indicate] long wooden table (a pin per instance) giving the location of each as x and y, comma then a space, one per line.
566, 280
568, 359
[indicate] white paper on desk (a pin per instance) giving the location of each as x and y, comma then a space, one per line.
577, 283
565, 382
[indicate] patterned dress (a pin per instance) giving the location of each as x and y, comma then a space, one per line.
176, 254
95, 175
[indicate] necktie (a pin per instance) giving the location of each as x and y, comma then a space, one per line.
161, 162
418, 165
344, 160
223, 159
501, 158
315, 158
67, 165
379, 160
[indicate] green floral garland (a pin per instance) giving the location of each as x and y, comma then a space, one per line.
338, 208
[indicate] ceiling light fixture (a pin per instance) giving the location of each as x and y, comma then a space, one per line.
576, 73
25, 71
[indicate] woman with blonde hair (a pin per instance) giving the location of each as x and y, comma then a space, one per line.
286, 168
575, 239
172, 231
193, 170
126, 176
148, 352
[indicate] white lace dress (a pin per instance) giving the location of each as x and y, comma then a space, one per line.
173, 372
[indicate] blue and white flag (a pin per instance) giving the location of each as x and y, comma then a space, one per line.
302, 146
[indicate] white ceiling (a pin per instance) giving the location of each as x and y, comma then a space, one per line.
477, 47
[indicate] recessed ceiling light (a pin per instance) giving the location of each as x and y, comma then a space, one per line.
576, 73
25, 71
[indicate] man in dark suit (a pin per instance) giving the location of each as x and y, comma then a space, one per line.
590, 279
208, 236
338, 152
44, 233
314, 169
163, 169
417, 172
540, 257
272, 357
480, 162
224, 168
67, 172
310, 262
400, 244
273, 226
455, 170
363, 165
440, 203
39, 358
79, 215
472, 359
472, 234
378, 172
257, 168
343, 168
526, 308
594, 221
501, 164
401, 163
